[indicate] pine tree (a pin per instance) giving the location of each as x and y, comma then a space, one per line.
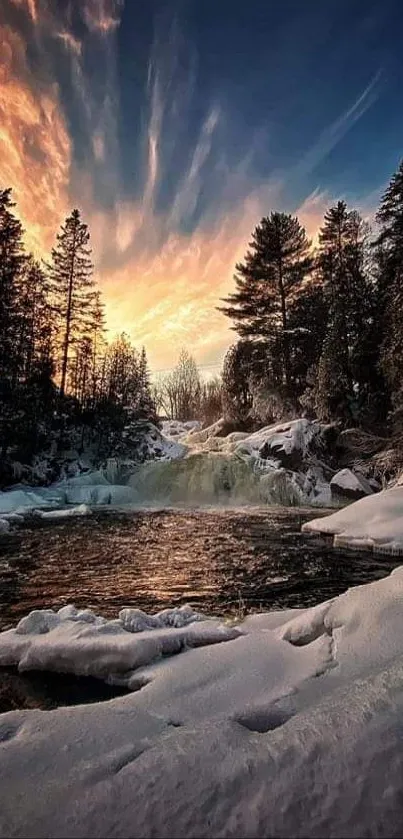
147, 408
12, 261
389, 257
342, 381
237, 371
36, 332
71, 277
267, 282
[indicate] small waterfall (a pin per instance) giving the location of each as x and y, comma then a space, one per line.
212, 478
203, 478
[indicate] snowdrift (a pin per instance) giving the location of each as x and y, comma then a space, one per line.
288, 724
374, 523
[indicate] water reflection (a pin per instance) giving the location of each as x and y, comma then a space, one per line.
218, 560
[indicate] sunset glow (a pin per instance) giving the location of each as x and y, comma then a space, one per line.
170, 184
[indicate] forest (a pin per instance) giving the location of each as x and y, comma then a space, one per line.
58, 375
318, 325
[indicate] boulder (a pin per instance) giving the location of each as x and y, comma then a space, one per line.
349, 485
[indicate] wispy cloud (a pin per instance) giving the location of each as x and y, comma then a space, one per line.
70, 42
35, 148
30, 6
189, 190
161, 284
334, 133
102, 15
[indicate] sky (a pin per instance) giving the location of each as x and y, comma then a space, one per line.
175, 125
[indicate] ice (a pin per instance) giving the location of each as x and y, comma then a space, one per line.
19, 499
135, 620
374, 523
95, 495
286, 724
81, 510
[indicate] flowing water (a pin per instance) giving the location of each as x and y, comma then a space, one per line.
220, 560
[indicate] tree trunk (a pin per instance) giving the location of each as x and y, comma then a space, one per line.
66, 342
286, 349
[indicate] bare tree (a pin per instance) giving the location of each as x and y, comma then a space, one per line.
177, 394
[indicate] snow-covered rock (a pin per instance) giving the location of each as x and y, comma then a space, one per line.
349, 485
288, 724
372, 523
178, 430
286, 442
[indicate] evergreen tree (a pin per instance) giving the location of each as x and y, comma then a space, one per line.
211, 408
237, 371
389, 258
308, 318
73, 289
36, 331
89, 350
267, 282
343, 382
12, 261
147, 407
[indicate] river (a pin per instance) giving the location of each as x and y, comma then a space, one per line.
221, 561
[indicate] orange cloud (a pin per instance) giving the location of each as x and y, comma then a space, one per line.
34, 146
30, 6
312, 210
168, 299
160, 286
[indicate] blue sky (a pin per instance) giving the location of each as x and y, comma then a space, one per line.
176, 124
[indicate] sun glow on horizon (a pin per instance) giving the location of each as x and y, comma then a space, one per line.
161, 284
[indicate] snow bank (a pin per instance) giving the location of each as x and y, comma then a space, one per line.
74, 641
288, 724
372, 523
160, 446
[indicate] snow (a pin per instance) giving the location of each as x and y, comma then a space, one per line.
179, 430
348, 481
81, 510
288, 724
372, 523
78, 493
283, 437
73, 641
279, 464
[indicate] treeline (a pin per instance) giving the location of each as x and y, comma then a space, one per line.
320, 328
182, 394
56, 369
